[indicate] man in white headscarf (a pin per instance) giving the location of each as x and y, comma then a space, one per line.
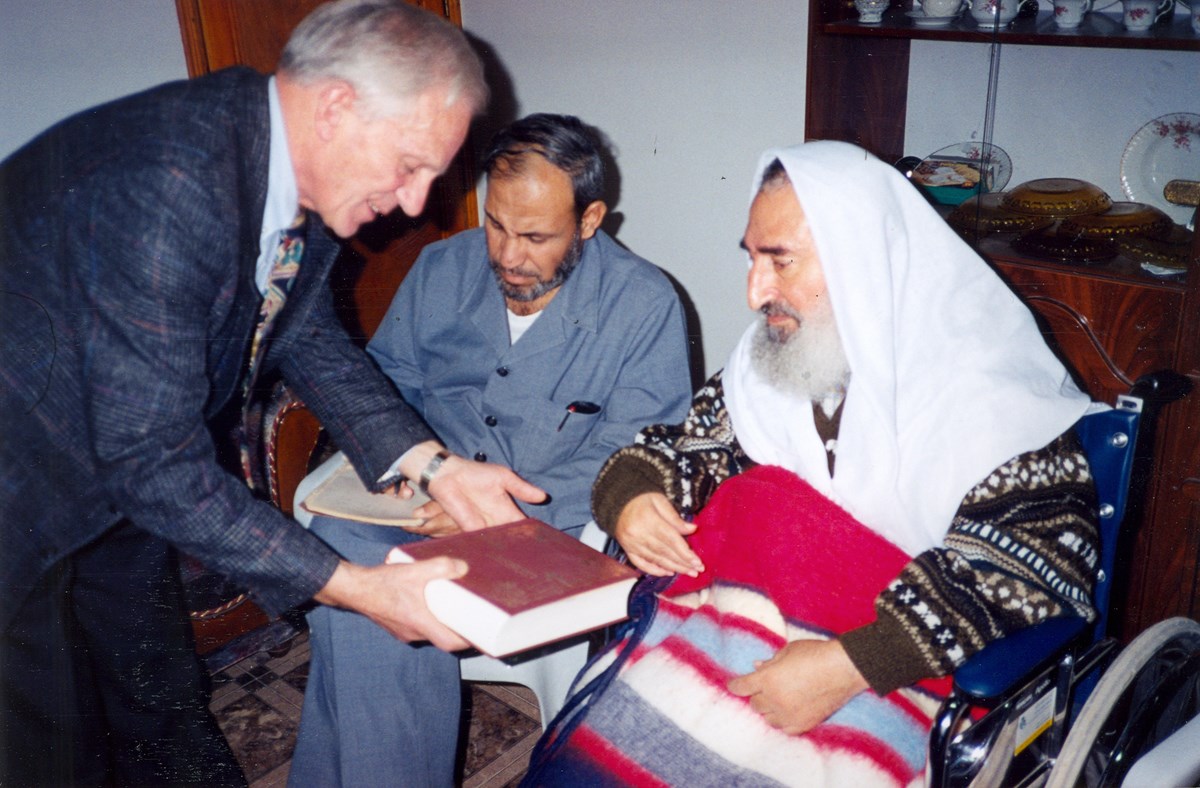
895, 374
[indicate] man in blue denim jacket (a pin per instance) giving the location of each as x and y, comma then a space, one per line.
536, 342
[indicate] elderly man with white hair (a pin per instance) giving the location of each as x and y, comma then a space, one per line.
881, 481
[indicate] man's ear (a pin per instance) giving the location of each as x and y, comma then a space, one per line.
335, 101
589, 223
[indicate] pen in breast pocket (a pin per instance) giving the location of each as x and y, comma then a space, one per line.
578, 406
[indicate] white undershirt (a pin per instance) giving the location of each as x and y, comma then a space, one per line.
519, 324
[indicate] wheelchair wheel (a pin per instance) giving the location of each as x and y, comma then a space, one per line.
1150, 691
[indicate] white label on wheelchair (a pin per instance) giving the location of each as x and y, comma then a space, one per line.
1035, 720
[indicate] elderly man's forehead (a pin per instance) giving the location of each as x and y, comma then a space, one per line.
777, 222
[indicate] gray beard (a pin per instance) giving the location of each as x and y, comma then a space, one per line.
535, 291
808, 363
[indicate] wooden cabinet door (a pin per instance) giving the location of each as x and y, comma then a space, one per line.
222, 33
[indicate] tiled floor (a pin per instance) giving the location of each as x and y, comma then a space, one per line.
257, 702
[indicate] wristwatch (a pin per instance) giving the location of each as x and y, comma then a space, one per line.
431, 469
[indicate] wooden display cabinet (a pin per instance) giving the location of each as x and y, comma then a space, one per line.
1110, 322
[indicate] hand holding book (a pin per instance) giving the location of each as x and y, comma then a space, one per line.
527, 584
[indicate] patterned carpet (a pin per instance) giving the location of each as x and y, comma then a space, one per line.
257, 702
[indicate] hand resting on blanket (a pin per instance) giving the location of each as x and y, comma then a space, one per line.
802, 685
652, 533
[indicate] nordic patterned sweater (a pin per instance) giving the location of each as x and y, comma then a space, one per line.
1021, 548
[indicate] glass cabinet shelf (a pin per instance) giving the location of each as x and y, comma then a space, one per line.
1098, 29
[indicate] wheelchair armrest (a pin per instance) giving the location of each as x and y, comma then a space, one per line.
1005, 664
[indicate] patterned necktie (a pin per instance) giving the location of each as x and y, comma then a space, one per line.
279, 282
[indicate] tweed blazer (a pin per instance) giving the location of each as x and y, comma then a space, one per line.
128, 241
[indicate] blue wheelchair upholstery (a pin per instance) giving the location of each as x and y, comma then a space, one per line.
1108, 440
1016, 671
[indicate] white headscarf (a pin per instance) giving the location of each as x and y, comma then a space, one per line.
950, 377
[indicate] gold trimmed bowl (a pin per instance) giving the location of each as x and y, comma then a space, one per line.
1052, 243
1122, 220
985, 213
1057, 197
1171, 250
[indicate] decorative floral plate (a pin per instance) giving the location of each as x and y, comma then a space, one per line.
1165, 149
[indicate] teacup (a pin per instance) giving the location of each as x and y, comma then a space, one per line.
871, 11
1069, 13
991, 12
941, 8
1138, 15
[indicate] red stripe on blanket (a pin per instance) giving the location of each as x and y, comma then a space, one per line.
939, 688
600, 751
860, 745
727, 619
700, 663
769, 529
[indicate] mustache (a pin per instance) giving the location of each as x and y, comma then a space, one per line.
777, 309
518, 271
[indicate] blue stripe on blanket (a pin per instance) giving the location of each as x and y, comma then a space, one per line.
733, 650
874, 715
670, 753
736, 651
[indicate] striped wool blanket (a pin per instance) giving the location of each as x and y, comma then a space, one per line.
783, 563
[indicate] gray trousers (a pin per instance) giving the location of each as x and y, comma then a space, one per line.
376, 711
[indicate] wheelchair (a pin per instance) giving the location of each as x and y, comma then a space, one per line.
1049, 705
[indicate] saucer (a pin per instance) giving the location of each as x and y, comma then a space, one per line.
921, 20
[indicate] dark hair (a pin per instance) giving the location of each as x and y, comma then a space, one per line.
563, 140
774, 176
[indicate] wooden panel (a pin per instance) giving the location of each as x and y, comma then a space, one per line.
1165, 571
1164, 566
372, 267
1108, 332
862, 104
853, 93
222, 33
291, 440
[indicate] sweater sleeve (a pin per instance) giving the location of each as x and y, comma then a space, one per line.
686, 462
1022, 548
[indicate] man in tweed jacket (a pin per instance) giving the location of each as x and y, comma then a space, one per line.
132, 246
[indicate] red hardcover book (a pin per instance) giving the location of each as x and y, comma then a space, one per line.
528, 584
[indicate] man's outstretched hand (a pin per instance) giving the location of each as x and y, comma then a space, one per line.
801, 685
393, 596
474, 495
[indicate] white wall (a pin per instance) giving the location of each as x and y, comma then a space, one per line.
61, 56
689, 92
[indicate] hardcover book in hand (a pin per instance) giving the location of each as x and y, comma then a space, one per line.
528, 584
